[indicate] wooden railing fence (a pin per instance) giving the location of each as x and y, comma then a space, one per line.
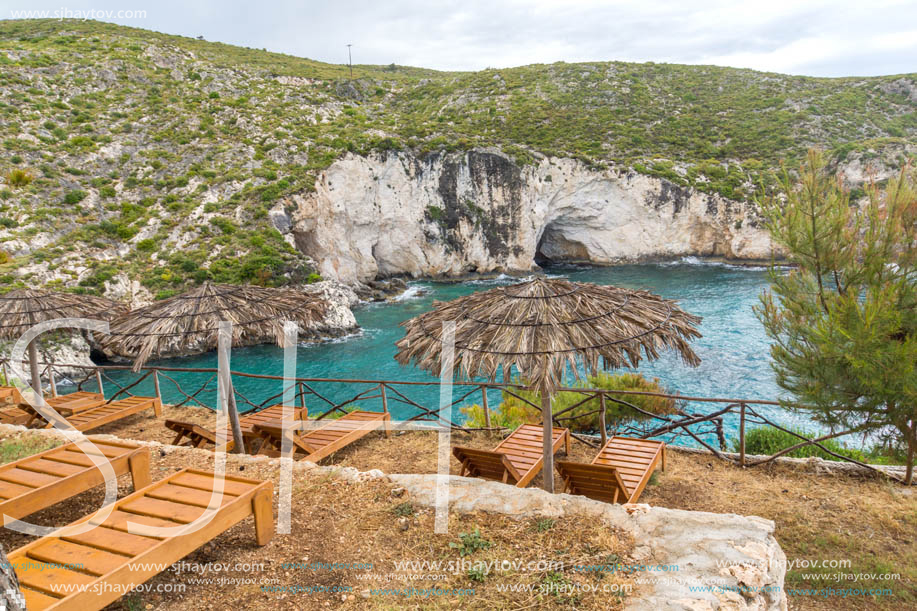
699, 427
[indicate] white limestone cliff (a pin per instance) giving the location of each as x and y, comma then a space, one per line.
479, 212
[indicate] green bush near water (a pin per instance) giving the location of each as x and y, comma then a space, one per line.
768, 441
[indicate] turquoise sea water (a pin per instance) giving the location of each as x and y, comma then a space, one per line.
733, 350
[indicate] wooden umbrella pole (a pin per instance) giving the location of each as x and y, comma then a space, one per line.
36, 375
224, 339
548, 421
238, 440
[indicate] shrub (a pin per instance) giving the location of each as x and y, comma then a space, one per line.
470, 542
18, 178
768, 441
224, 224
512, 411
74, 197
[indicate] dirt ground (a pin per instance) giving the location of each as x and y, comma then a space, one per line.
862, 530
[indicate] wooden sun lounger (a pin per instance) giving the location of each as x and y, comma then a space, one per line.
618, 474
198, 435
516, 460
319, 443
66, 405
103, 414
109, 560
41, 480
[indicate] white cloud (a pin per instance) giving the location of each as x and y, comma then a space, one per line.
818, 37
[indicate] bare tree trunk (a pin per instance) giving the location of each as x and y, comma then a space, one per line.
547, 470
10, 596
911, 447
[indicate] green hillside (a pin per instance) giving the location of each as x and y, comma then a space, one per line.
105, 128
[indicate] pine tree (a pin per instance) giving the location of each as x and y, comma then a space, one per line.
844, 318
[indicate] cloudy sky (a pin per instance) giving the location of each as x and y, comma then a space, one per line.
812, 37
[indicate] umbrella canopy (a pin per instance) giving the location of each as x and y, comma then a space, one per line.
187, 323
544, 325
22, 308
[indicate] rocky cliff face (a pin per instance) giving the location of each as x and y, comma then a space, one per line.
477, 212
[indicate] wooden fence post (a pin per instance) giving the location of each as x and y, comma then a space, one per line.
156, 384
742, 434
486, 406
99, 382
384, 399
602, 419
6, 374
302, 395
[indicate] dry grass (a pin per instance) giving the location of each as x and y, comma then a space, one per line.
869, 522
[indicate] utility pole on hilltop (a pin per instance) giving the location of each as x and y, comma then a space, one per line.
350, 61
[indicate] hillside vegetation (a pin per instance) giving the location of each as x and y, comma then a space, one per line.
129, 154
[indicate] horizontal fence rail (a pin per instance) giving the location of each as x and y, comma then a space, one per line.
706, 429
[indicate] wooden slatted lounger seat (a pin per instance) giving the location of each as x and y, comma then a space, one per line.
41, 480
110, 560
104, 414
319, 443
618, 474
198, 435
516, 460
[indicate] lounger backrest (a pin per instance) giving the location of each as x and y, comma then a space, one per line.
323, 441
634, 461
598, 482
516, 460
487, 464
104, 414
79, 396
524, 448
114, 411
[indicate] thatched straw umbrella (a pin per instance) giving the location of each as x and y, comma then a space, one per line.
545, 325
188, 323
21, 309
